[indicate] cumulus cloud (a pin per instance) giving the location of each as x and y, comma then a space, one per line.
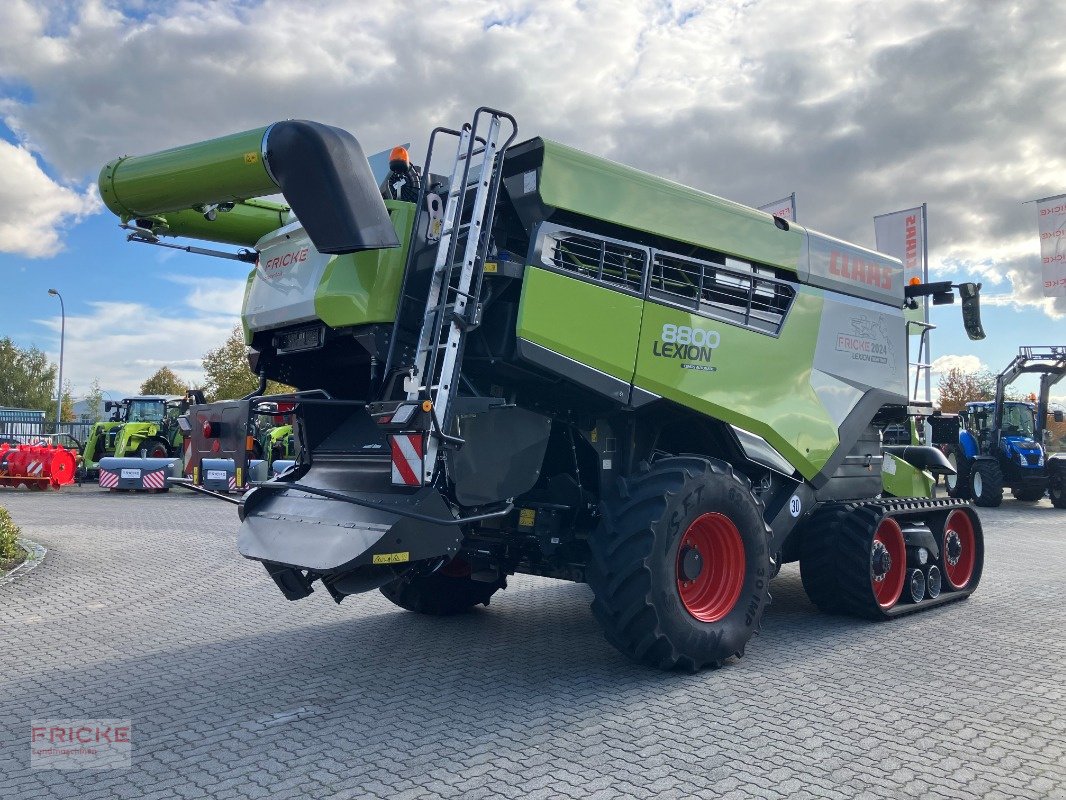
966, 363
115, 344
33, 207
861, 107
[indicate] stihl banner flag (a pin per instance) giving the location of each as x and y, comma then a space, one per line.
902, 234
784, 208
1052, 221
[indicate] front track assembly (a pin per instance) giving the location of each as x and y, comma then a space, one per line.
886, 557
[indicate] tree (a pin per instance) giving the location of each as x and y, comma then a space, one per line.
958, 387
27, 378
68, 406
164, 382
94, 401
228, 375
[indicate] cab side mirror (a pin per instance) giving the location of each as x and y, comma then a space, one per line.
1058, 415
971, 310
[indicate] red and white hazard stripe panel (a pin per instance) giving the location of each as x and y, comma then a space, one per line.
154, 480
108, 480
407, 454
232, 484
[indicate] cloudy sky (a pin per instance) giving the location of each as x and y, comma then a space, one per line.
861, 108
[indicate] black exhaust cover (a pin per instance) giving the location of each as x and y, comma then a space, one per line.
325, 177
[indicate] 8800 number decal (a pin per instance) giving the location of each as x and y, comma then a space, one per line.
692, 346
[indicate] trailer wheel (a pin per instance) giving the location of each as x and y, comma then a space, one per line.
1056, 487
680, 569
450, 590
958, 484
986, 484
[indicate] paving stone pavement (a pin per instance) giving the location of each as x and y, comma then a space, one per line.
143, 610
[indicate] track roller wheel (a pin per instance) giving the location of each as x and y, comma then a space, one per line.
854, 562
450, 590
680, 567
986, 484
962, 549
958, 484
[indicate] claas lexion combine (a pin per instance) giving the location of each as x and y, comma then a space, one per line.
539, 361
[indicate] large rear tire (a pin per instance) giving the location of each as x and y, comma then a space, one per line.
986, 484
156, 448
450, 590
958, 484
680, 567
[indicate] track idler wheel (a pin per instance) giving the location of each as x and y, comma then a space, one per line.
961, 549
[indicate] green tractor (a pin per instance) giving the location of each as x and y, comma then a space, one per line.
143, 425
530, 359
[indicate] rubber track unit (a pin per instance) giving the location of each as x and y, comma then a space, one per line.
835, 572
620, 567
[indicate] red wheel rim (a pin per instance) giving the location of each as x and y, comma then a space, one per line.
157, 451
710, 566
958, 549
888, 561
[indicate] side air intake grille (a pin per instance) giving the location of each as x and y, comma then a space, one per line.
616, 264
737, 294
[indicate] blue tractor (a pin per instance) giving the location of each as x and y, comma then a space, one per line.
1001, 442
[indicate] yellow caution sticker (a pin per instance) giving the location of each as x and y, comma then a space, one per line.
239, 476
251, 158
392, 558
527, 517
492, 266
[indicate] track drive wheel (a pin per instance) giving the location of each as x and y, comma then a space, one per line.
854, 562
959, 483
986, 484
680, 567
1056, 485
450, 590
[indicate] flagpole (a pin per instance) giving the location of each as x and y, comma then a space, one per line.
928, 331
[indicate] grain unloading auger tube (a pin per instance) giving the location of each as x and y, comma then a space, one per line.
320, 170
577, 370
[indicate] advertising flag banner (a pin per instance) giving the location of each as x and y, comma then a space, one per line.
784, 208
902, 234
1052, 222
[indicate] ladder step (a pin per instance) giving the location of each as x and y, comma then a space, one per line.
450, 231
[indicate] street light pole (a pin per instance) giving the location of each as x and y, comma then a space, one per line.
62, 338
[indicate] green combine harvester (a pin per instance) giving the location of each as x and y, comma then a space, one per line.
529, 359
